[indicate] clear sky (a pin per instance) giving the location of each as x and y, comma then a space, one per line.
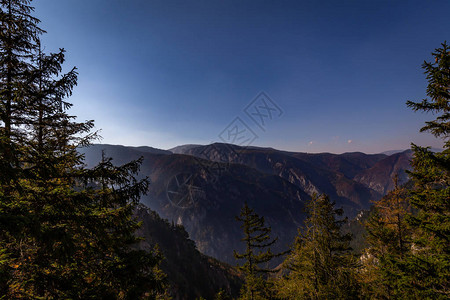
165, 73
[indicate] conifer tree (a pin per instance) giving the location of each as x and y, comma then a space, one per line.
427, 270
389, 242
18, 36
65, 231
320, 265
257, 242
222, 295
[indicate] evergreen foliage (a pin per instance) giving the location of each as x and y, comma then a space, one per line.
409, 230
389, 242
257, 242
222, 295
320, 265
427, 270
65, 231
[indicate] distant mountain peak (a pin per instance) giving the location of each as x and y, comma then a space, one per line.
390, 152
183, 148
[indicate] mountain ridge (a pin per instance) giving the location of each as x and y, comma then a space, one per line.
204, 186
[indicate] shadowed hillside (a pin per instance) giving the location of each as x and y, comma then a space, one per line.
190, 274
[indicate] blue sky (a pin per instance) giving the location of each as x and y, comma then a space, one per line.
165, 73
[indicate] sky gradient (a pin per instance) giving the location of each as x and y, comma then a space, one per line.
165, 73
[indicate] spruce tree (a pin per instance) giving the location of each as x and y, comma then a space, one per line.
389, 242
257, 251
427, 270
18, 37
320, 265
65, 231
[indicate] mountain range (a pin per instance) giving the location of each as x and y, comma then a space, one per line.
203, 187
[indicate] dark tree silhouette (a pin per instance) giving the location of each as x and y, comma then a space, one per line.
65, 231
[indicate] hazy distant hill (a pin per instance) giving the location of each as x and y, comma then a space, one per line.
121, 154
183, 148
391, 152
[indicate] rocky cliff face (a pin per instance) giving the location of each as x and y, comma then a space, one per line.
380, 176
313, 173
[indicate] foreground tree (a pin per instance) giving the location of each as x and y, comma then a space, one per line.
18, 37
389, 241
65, 231
320, 265
257, 252
428, 268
